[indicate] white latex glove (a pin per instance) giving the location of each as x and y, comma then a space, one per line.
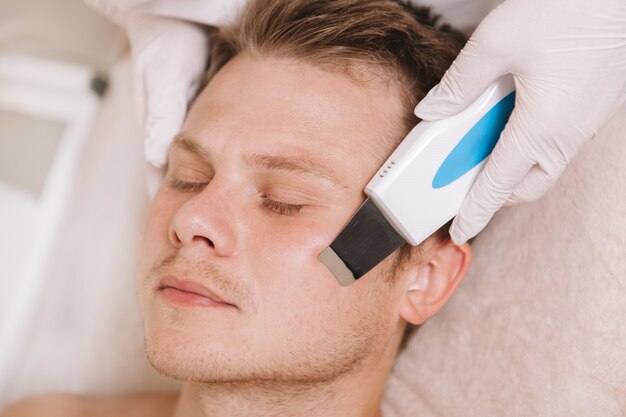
568, 58
169, 57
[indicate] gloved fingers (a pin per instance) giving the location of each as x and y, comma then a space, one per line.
505, 169
166, 114
468, 77
169, 58
534, 185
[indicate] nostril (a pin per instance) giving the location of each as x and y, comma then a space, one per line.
206, 240
174, 238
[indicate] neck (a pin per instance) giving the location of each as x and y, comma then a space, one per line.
238, 400
357, 393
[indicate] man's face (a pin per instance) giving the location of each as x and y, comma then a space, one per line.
269, 166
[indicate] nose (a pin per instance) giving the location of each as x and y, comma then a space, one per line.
205, 225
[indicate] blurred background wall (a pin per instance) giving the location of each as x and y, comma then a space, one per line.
72, 203
61, 29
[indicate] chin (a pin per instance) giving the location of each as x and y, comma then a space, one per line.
189, 358
185, 358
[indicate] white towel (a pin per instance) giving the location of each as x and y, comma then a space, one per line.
538, 327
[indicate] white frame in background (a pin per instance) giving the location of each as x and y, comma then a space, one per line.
57, 91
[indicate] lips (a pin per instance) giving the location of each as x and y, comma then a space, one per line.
189, 293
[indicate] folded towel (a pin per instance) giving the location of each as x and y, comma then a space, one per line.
538, 327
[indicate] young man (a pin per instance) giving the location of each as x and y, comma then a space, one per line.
304, 102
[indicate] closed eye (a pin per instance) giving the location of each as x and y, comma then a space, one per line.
274, 205
280, 207
187, 186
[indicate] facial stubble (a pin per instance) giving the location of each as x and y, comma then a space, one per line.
309, 365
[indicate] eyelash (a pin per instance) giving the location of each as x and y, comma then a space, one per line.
276, 206
187, 186
280, 207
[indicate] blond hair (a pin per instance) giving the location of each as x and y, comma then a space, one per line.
389, 37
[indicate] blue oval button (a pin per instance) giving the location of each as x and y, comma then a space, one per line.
476, 145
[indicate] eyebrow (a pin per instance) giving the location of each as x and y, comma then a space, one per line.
299, 164
188, 144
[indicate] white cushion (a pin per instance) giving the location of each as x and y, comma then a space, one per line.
538, 327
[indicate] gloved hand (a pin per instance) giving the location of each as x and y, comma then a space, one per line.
169, 57
568, 58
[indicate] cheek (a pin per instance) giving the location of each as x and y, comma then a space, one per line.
289, 276
287, 249
284, 251
301, 238
312, 309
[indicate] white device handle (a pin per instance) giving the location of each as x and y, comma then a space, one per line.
423, 183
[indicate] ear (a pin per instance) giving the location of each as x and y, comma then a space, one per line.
431, 282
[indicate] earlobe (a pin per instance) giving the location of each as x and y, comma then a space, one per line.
431, 283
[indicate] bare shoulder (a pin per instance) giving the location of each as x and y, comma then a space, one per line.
46, 405
67, 405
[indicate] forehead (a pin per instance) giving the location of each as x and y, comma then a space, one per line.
267, 104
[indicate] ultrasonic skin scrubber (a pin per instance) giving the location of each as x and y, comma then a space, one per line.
422, 184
